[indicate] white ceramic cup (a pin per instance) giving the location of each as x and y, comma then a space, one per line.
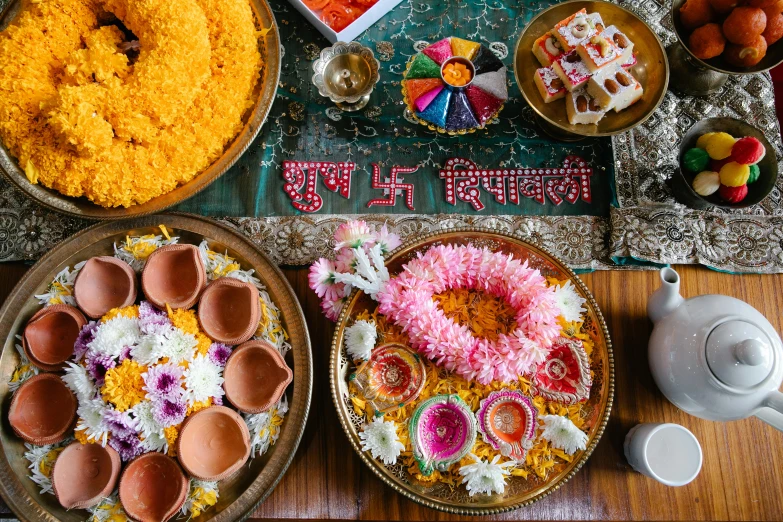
669, 453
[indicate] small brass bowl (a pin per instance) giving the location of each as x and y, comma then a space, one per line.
682, 183
346, 73
774, 52
652, 71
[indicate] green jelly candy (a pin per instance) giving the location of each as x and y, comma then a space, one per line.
696, 159
754, 173
423, 67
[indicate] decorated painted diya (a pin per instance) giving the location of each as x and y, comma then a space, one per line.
442, 431
391, 378
565, 374
507, 422
455, 86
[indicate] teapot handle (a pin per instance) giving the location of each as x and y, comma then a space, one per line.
772, 410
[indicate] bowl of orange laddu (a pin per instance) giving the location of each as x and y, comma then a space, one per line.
731, 36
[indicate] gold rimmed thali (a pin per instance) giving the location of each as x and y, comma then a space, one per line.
651, 70
239, 494
253, 119
519, 491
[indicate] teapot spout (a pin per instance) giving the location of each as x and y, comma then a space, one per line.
664, 300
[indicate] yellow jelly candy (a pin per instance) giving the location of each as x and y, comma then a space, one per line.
734, 174
719, 145
703, 139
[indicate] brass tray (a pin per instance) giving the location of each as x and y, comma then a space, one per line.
519, 492
240, 494
652, 69
254, 118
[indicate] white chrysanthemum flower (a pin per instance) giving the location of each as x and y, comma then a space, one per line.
380, 438
155, 442
144, 419
79, 382
149, 349
60, 290
41, 459
563, 433
113, 336
569, 302
179, 346
262, 434
92, 422
485, 477
203, 379
360, 339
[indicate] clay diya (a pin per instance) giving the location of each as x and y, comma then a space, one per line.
85, 474
43, 410
392, 377
229, 310
49, 336
174, 275
153, 488
213, 444
104, 283
565, 374
442, 431
507, 422
256, 376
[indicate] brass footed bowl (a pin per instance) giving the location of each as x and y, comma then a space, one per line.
652, 69
253, 119
773, 57
519, 491
240, 493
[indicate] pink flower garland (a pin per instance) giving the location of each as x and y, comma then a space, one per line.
407, 300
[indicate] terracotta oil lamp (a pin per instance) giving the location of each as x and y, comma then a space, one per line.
43, 410
85, 474
213, 444
229, 310
50, 334
174, 275
256, 376
153, 488
103, 283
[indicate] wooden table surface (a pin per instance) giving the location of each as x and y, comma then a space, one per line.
742, 476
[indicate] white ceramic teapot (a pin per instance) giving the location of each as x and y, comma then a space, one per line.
714, 356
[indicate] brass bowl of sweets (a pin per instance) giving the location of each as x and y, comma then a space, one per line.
644, 60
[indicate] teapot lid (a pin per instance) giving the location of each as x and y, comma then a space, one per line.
739, 353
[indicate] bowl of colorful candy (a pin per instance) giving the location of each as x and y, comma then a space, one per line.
725, 163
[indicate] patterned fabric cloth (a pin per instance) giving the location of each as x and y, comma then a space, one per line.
302, 125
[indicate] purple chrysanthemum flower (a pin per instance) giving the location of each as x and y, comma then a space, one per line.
84, 338
128, 447
97, 366
217, 401
120, 424
163, 381
219, 353
152, 320
170, 411
125, 354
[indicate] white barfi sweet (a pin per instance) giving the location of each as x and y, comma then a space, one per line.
583, 108
621, 40
572, 70
549, 84
576, 28
599, 52
547, 49
617, 91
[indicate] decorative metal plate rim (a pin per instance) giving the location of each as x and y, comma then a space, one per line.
444, 506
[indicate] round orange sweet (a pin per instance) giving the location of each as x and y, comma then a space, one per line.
338, 15
762, 3
695, 13
772, 10
774, 29
724, 6
746, 55
707, 42
744, 25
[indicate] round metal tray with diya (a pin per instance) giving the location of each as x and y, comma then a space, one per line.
651, 70
239, 493
455, 498
253, 119
697, 77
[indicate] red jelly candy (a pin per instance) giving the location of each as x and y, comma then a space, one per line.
733, 194
747, 151
716, 165
484, 104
